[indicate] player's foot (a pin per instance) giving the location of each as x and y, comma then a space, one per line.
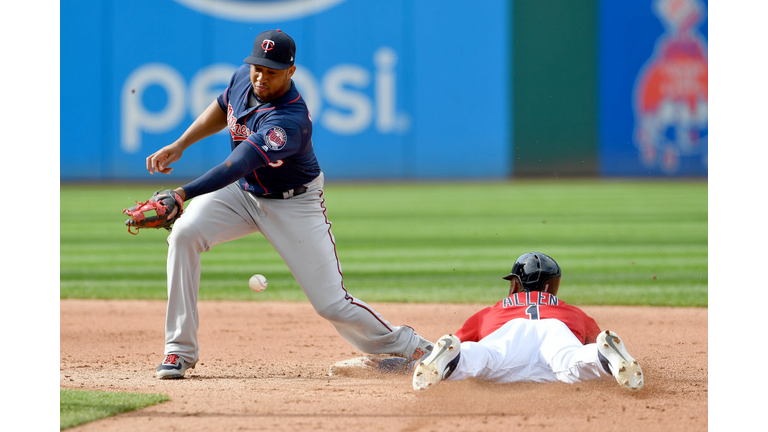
439, 364
617, 361
423, 347
173, 367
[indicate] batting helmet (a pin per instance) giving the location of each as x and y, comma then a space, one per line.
535, 271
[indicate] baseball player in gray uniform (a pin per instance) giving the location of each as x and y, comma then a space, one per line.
271, 183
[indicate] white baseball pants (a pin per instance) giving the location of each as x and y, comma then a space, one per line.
529, 350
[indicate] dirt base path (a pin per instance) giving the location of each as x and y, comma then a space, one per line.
264, 366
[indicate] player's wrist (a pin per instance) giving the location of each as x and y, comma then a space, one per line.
182, 193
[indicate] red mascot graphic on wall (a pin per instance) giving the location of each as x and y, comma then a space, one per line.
670, 99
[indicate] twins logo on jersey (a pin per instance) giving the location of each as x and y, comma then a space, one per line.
671, 95
274, 139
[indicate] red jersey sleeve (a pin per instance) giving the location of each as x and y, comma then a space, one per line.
591, 330
470, 331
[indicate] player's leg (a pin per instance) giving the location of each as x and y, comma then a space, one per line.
510, 354
299, 230
569, 360
524, 350
209, 219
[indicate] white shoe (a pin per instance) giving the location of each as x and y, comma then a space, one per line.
621, 365
439, 364
173, 367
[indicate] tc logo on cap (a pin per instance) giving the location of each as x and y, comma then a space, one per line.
267, 45
272, 49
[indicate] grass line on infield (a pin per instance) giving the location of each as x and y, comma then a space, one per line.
618, 242
77, 407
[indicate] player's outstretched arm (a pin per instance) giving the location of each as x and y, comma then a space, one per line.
212, 120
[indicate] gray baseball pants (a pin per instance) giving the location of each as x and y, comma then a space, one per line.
300, 232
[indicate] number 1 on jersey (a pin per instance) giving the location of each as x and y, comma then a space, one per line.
533, 312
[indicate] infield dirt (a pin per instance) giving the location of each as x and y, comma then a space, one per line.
264, 366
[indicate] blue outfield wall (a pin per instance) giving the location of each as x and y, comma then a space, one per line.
396, 89
653, 88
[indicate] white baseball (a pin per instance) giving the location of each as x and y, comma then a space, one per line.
258, 283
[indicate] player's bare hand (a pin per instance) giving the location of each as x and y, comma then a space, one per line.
160, 160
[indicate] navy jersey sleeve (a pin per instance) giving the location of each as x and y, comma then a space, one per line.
223, 98
276, 139
240, 161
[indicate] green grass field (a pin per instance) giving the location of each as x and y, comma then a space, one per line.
77, 407
618, 242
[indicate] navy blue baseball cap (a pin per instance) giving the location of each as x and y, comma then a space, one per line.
273, 49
